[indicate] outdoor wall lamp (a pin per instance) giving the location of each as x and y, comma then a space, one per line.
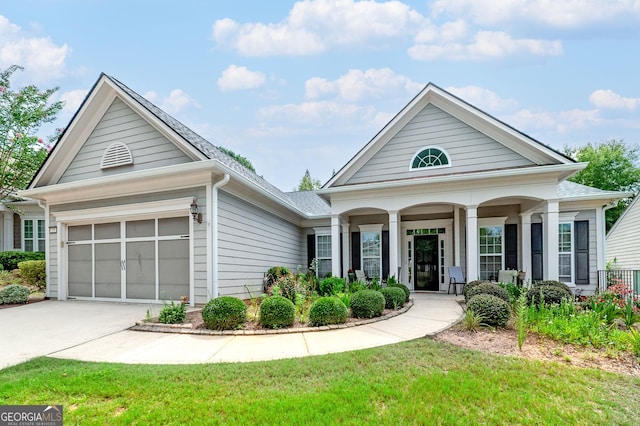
197, 216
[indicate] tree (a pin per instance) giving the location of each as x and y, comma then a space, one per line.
239, 158
612, 167
307, 183
22, 112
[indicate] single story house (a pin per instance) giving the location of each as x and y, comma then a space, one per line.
622, 239
140, 208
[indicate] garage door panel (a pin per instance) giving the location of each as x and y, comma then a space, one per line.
173, 265
80, 271
141, 270
108, 270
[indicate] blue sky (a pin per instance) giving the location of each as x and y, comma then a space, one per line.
304, 85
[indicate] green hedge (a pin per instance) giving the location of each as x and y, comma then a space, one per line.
277, 312
34, 273
394, 297
407, 292
327, 310
10, 259
367, 304
224, 313
493, 310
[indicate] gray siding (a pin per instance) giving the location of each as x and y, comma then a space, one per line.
121, 124
468, 149
250, 241
622, 241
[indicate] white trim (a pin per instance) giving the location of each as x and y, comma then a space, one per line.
413, 169
571, 252
567, 216
36, 245
377, 228
491, 222
324, 230
164, 208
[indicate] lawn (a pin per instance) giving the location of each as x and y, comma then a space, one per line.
416, 382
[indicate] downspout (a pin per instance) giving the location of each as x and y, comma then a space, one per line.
214, 234
43, 205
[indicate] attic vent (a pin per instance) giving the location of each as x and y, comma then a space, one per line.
117, 154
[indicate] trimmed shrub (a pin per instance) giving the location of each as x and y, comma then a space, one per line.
367, 304
488, 288
10, 259
224, 313
405, 289
554, 284
332, 285
493, 310
172, 313
327, 310
277, 312
1, 267
394, 297
471, 285
551, 294
14, 293
34, 272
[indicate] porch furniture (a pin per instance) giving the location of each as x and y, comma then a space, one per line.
506, 276
455, 279
360, 276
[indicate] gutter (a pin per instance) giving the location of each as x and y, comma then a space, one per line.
214, 235
43, 205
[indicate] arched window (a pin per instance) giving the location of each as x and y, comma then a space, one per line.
430, 157
117, 154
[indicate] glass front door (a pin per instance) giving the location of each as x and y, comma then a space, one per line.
425, 262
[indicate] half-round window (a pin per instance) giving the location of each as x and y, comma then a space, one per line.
117, 154
430, 157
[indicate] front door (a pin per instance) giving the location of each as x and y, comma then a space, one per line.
425, 263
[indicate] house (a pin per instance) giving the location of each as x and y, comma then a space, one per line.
140, 208
622, 238
22, 228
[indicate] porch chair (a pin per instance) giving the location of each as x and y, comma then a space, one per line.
360, 276
455, 279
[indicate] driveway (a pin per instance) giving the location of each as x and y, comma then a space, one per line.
50, 326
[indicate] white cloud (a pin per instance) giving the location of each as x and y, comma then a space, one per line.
611, 100
240, 78
561, 122
72, 100
42, 59
484, 99
357, 85
314, 26
175, 102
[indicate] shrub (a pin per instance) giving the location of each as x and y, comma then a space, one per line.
367, 304
551, 294
493, 310
34, 272
1, 267
276, 312
224, 313
405, 289
14, 293
553, 284
10, 259
327, 310
172, 313
471, 285
332, 285
394, 297
488, 288
345, 298
276, 272
288, 286
357, 285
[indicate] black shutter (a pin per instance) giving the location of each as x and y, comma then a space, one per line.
311, 248
342, 267
536, 252
511, 246
355, 251
385, 255
581, 241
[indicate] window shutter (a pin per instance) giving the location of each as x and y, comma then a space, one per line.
536, 252
511, 246
311, 248
17, 231
581, 241
385, 255
355, 251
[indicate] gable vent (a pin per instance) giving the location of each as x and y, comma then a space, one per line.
117, 154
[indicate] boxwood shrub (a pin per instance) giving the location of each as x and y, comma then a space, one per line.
34, 272
407, 292
493, 310
488, 288
327, 310
277, 312
551, 294
367, 304
224, 313
10, 259
471, 285
394, 297
14, 293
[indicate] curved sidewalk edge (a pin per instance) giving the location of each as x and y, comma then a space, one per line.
430, 314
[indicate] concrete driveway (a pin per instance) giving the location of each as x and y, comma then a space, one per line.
50, 326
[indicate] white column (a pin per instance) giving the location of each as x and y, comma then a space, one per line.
335, 245
525, 242
472, 243
346, 248
601, 253
551, 219
457, 240
393, 244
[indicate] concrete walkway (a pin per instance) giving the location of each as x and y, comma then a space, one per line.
430, 314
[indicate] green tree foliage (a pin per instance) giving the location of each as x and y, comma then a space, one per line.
613, 166
239, 158
22, 112
307, 183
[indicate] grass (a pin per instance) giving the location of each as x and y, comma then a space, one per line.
416, 382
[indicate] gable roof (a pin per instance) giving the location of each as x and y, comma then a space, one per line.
627, 211
495, 129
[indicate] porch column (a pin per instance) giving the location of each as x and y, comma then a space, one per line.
457, 240
601, 254
472, 243
393, 244
346, 262
335, 245
551, 218
525, 238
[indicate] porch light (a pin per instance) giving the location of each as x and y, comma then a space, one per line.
197, 216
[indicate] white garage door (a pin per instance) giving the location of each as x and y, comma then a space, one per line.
137, 260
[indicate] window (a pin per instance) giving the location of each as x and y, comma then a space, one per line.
33, 234
371, 249
430, 157
323, 254
565, 252
491, 252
